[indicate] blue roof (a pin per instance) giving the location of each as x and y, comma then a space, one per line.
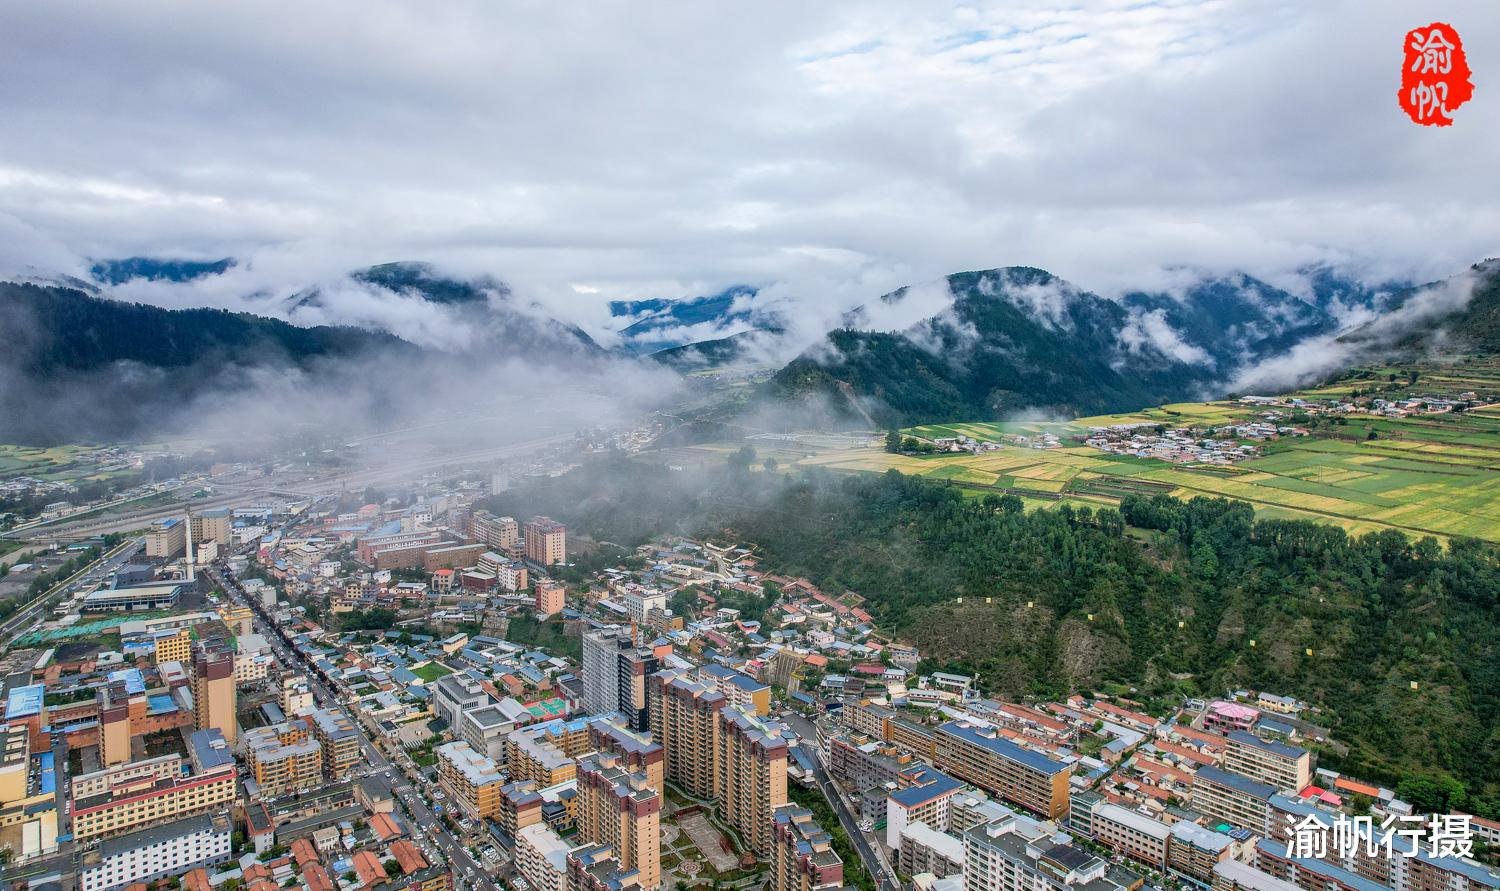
24, 701
931, 784
1282, 749
160, 703
1237, 782
1005, 748
49, 774
1342, 877
132, 678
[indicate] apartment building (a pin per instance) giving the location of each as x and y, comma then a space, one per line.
638, 751
547, 753
502, 533
1022, 776
1017, 855
739, 689
546, 541
296, 697
549, 597
485, 729
685, 723
520, 806
858, 762
158, 852
174, 645
601, 668
215, 525
595, 868
1134, 835
167, 538
619, 808
1385, 858
542, 857
919, 739
214, 691
120, 799
802, 856
925, 849
472, 780
1194, 851
335, 732
924, 797
284, 758
1265, 761
1232, 798
750, 774
1232, 875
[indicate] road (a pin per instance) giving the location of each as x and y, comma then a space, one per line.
100, 569
466, 872
251, 491
873, 855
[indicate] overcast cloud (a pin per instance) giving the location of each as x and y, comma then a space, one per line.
825, 152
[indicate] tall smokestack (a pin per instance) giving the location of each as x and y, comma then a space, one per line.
192, 574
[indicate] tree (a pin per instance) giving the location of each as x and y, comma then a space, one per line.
770, 464
893, 441
743, 458
1372, 434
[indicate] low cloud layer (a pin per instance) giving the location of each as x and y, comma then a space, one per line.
824, 154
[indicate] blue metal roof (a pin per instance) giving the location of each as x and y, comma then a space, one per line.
1005, 748
24, 701
1237, 782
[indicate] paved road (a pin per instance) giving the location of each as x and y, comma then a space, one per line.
34, 611
873, 855
466, 872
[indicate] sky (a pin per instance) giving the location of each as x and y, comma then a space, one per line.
826, 152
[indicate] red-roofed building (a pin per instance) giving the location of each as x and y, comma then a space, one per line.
317, 878
196, 880
409, 858
368, 867
386, 828
815, 660
304, 852
1350, 787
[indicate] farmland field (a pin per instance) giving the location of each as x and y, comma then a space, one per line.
1424, 475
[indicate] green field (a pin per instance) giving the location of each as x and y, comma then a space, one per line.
432, 671
1427, 474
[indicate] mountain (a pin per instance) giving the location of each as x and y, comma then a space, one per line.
485, 309
659, 325
155, 269
1005, 341
79, 365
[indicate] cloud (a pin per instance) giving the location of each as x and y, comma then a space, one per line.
1151, 331
830, 152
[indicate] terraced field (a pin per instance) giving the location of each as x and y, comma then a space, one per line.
1437, 475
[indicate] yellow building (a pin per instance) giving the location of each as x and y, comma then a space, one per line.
126, 797
284, 758
685, 723
993, 763
173, 646
471, 779
750, 774
214, 691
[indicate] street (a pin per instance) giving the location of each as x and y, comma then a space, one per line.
467, 873
872, 855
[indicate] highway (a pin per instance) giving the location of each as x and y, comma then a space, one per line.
254, 490
100, 569
467, 873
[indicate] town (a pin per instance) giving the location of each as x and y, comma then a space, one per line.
417, 693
